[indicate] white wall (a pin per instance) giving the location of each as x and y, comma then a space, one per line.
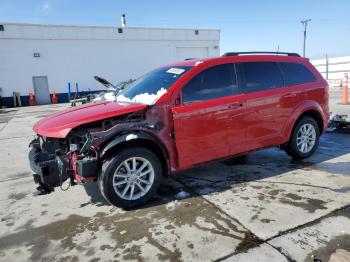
337, 66
76, 54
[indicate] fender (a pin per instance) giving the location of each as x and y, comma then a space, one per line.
133, 135
297, 112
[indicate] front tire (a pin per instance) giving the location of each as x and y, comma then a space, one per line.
304, 140
130, 178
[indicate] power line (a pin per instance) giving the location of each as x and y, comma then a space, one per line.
24, 15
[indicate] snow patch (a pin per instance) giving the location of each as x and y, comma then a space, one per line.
145, 98
172, 205
107, 96
182, 195
130, 137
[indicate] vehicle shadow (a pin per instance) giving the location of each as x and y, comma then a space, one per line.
95, 195
259, 165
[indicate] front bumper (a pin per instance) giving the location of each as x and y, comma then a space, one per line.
45, 166
52, 166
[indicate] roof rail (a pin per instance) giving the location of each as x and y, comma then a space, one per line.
259, 52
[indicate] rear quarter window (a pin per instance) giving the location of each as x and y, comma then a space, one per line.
295, 74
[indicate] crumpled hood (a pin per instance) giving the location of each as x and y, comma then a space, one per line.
61, 123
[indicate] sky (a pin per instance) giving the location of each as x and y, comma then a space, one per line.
246, 25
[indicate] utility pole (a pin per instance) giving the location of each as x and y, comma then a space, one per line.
327, 64
304, 22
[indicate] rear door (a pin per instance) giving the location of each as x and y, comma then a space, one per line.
300, 85
208, 123
297, 80
263, 86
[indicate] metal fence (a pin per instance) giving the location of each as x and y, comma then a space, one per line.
333, 69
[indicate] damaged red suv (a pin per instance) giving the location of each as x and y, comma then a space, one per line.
179, 116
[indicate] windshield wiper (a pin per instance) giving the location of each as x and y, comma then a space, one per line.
107, 84
110, 87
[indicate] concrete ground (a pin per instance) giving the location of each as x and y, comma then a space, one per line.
335, 98
265, 207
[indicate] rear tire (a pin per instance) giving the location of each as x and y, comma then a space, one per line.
304, 140
130, 178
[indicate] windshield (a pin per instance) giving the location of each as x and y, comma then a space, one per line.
150, 87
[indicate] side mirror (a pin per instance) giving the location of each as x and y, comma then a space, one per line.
178, 100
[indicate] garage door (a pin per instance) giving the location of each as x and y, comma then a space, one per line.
183, 53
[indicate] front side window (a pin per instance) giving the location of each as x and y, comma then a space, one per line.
150, 87
215, 82
295, 74
260, 76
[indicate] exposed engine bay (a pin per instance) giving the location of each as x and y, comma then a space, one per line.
56, 160
77, 157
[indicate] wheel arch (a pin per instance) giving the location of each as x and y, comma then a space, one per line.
307, 108
137, 139
315, 115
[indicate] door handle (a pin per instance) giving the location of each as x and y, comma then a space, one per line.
235, 105
289, 95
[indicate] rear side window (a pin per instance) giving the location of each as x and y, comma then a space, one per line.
260, 76
295, 74
215, 82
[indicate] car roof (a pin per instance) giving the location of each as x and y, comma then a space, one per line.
241, 58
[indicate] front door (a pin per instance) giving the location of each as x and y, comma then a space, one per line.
41, 90
208, 124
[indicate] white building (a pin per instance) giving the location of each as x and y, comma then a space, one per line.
43, 58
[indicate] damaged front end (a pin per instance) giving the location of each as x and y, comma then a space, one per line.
76, 157
79, 156
54, 160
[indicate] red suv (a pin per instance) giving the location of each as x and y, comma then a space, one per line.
179, 116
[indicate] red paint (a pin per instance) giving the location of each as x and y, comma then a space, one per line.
209, 130
215, 128
61, 123
74, 166
74, 163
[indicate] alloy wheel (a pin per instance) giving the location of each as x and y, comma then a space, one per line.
306, 138
133, 178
